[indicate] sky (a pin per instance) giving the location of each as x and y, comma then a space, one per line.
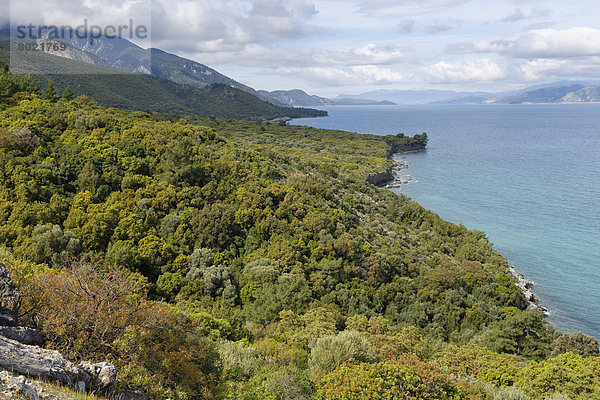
329, 47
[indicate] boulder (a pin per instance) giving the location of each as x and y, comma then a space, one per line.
9, 298
22, 334
104, 375
48, 365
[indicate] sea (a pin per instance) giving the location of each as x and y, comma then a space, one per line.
527, 175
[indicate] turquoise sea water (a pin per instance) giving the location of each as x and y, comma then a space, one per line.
526, 175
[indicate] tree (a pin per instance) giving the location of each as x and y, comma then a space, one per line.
50, 92
577, 343
67, 94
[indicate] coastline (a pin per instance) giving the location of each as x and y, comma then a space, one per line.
533, 303
526, 287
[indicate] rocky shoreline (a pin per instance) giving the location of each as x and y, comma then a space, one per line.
533, 303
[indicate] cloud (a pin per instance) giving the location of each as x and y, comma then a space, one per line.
372, 74
482, 70
355, 75
406, 8
519, 15
539, 43
442, 26
406, 25
184, 25
273, 57
222, 25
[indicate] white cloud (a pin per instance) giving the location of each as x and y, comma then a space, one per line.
539, 43
482, 70
357, 75
406, 8
272, 57
372, 74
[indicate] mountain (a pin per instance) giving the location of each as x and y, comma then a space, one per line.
410, 96
545, 95
299, 98
586, 94
124, 55
296, 98
115, 88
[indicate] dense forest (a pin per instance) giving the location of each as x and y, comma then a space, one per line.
223, 259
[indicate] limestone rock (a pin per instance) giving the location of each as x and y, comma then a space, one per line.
22, 334
19, 387
36, 362
9, 298
104, 375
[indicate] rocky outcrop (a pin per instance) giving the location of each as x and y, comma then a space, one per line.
45, 364
19, 387
19, 352
527, 288
22, 334
380, 178
9, 298
104, 375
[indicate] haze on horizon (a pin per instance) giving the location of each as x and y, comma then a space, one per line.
328, 47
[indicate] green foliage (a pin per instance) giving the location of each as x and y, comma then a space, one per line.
258, 234
567, 374
238, 360
329, 352
11, 84
577, 343
406, 378
522, 333
400, 143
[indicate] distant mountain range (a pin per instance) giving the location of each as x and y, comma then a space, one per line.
299, 98
557, 92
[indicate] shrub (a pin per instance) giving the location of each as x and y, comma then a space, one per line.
568, 374
406, 378
238, 360
331, 351
577, 343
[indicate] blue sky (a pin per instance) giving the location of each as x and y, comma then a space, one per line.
327, 47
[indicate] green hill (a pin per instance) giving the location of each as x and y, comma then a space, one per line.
112, 88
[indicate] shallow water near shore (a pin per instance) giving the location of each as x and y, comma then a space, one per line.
526, 175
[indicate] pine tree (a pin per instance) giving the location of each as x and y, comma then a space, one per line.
67, 94
50, 92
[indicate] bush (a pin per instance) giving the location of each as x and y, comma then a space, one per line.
329, 352
238, 360
569, 374
577, 343
405, 378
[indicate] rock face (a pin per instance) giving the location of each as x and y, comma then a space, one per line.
22, 334
379, 178
527, 288
9, 298
34, 361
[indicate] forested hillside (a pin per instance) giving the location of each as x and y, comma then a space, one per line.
212, 258
113, 88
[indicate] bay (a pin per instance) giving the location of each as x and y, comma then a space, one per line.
526, 175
